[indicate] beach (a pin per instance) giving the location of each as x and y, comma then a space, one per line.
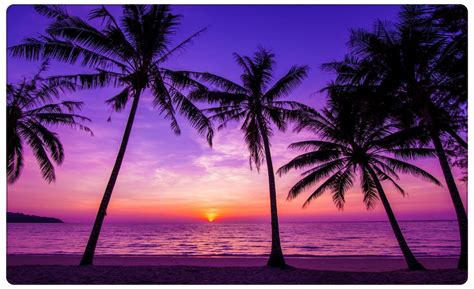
63, 269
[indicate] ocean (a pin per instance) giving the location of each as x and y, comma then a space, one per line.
425, 238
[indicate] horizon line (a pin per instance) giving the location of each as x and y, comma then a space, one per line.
245, 222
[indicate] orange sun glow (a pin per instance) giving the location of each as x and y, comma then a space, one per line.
211, 216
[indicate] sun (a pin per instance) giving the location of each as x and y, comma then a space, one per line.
211, 216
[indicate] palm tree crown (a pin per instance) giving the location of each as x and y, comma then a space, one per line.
347, 145
416, 69
128, 53
255, 101
31, 111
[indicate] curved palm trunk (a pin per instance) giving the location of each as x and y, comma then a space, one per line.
455, 196
276, 256
88, 256
412, 262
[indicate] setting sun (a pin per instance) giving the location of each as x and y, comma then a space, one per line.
211, 216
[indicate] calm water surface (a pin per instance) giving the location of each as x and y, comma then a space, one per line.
437, 238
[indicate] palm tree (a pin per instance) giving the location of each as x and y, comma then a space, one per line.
31, 111
258, 105
451, 20
420, 70
129, 54
351, 144
451, 23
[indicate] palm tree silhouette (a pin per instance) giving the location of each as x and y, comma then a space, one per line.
350, 144
451, 20
127, 54
258, 105
31, 111
420, 74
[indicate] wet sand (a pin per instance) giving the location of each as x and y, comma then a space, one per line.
63, 269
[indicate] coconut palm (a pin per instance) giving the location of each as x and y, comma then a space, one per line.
419, 70
129, 53
31, 112
451, 20
451, 23
350, 145
258, 104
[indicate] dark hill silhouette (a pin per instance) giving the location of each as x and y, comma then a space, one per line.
22, 218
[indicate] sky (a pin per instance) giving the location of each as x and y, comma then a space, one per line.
169, 178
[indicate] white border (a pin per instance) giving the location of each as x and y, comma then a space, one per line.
6, 3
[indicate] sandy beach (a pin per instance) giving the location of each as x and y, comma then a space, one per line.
63, 269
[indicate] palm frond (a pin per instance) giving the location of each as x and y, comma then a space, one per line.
408, 168
34, 49
343, 182
119, 101
52, 11
163, 100
329, 183
193, 114
368, 188
383, 177
413, 153
225, 115
49, 139
309, 159
100, 79
287, 83
14, 157
220, 82
180, 46
315, 145
314, 175
37, 146
254, 141
217, 97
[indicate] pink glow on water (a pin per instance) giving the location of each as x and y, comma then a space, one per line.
306, 239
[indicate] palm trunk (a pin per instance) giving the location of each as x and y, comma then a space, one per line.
88, 256
276, 256
455, 196
412, 262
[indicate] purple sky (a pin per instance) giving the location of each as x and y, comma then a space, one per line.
170, 178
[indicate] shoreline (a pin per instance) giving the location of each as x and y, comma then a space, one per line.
331, 263
64, 269
230, 256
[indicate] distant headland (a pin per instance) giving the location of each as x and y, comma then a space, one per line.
22, 218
